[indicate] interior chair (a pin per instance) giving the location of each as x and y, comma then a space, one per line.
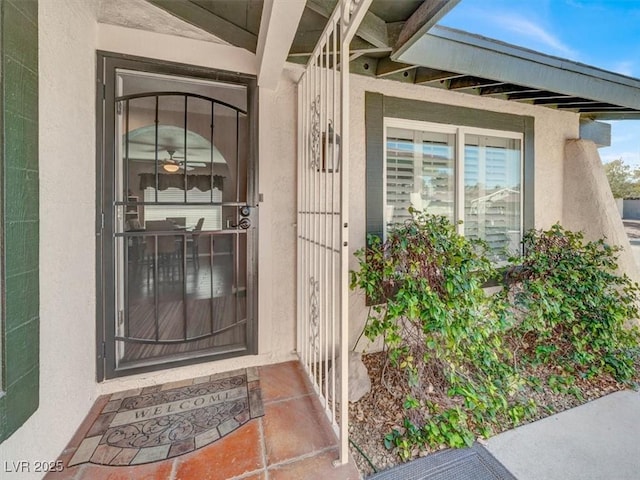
178, 221
135, 245
193, 242
167, 249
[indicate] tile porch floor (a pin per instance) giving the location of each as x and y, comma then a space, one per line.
293, 441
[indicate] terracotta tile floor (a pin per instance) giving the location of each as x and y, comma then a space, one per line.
293, 441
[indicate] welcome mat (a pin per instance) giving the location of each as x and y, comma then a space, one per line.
163, 421
475, 463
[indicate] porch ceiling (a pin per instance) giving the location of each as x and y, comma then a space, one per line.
399, 40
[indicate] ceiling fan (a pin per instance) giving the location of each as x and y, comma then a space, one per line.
172, 164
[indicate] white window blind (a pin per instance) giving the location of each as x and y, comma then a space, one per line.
423, 166
400, 178
212, 214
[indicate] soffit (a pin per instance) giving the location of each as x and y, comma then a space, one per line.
398, 40
141, 15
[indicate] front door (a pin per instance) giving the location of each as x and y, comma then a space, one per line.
178, 217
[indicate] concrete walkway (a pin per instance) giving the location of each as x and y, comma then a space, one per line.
596, 441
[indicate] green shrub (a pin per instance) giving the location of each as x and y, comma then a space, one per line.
468, 359
574, 308
440, 329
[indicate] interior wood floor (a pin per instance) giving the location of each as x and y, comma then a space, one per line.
205, 301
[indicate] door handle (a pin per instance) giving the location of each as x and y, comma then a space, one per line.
243, 224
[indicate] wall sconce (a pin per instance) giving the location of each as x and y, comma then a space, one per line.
330, 164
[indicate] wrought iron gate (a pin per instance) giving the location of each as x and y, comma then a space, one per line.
178, 223
323, 224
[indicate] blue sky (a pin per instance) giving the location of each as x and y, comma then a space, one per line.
601, 33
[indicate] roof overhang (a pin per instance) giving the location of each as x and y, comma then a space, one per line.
533, 77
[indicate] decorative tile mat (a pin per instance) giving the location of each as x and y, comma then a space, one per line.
163, 421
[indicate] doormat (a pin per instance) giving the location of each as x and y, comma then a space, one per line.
163, 421
475, 463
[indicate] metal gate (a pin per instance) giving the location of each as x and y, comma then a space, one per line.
323, 207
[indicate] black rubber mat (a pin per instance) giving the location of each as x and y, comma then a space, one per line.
474, 463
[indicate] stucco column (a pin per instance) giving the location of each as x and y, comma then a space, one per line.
589, 205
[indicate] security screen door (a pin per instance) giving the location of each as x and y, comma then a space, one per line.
180, 223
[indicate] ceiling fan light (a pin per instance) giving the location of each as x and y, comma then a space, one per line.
171, 167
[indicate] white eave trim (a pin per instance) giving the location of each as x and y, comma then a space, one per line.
278, 27
142, 43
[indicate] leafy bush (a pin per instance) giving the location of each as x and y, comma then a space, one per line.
574, 308
441, 330
467, 358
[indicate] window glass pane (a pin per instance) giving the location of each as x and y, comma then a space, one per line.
184, 215
419, 173
492, 192
438, 175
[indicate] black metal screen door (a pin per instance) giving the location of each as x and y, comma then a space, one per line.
183, 223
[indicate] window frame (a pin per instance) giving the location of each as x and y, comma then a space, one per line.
379, 106
460, 133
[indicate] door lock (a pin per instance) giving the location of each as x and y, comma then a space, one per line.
243, 224
245, 211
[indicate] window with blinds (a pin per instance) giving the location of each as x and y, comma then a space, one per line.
419, 173
212, 214
400, 178
492, 198
461, 173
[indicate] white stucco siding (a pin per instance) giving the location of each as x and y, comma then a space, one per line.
589, 203
278, 212
67, 36
552, 129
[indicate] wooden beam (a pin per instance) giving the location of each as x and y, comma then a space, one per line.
597, 132
202, 18
594, 107
373, 29
535, 95
364, 66
387, 67
353, 54
425, 17
305, 42
426, 75
406, 76
505, 89
470, 82
393, 31
278, 26
562, 100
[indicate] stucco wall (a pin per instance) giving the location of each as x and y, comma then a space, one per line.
69, 38
589, 203
552, 129
67, 33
